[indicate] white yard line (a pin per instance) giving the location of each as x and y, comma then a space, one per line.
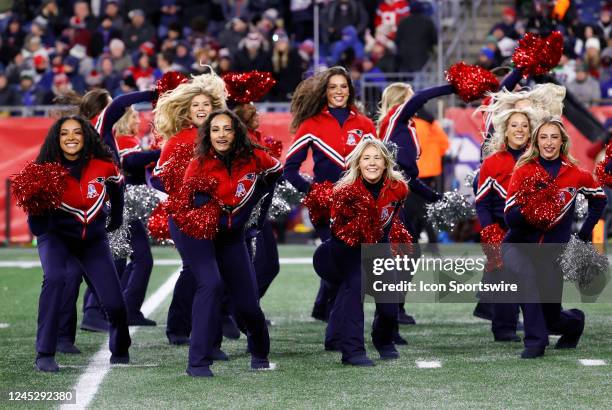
428, 364
89, 382
4, 325
592, 362
158, 262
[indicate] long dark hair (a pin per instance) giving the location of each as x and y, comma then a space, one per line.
242, 147
310, 96
93, 146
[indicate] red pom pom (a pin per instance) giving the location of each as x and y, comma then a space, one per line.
609, 150
244, 88
202, 222
471, 82
318, 201
600, 172
356, 218
275, 146
536, 55
168, 82
400, 239
540, 199
491, 238
175, 167
38, 188
158, 223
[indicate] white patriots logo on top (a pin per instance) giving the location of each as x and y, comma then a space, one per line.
92, 191
353, 137
244, 183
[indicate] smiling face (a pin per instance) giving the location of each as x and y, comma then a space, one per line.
337, 91
71, 139
372, 164
517, 130
222, 133
549, 141
199, 109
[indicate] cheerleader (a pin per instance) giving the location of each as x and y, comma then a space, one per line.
371, 170
326, 121
77, 231
265, 259
178, 115
243, 173
512, 132
547, 154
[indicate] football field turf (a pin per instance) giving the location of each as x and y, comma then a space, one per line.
451, 360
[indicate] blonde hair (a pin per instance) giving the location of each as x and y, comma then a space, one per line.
393, 94
353, 172
533, 152
499, 141
122, 126
172, 110
545, 100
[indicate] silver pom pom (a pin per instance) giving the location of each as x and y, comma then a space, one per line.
254, 217
140, 201
582, 206
446, 213
581, 262
469, 178
119, 239
393, 148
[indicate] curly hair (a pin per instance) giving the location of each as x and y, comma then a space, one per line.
310, 96
93, 146
172, 110
242, 147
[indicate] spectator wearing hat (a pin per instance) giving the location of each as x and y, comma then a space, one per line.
287, 68
113, 10
85, 62
348, 49
584, 87
486, 58
61, 85
121, 61
28, 94
507, 24
413, 55
71, 69
591, 56
8, 96
137, 31
235, 30
103, 35
267, 23
169, 14
253, 54
341, 13
224, 63
12, 40
183, 56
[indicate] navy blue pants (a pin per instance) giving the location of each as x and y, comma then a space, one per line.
68, 311
135, 275
224, 260
265, 260
341, 266
536, 270
94, 257
326, 295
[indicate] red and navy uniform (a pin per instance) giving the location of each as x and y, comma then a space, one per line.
103, 122
534, 271
572, 181
398, 128
331, 144
493, 181
225, 260
185, 136
340, 264
134, 159
332, 135
77, 230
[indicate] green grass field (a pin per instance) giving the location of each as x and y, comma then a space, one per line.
475, 372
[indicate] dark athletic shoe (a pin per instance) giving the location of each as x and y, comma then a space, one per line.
120, 359
532, 352
46, 364
203, 371
360, 361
